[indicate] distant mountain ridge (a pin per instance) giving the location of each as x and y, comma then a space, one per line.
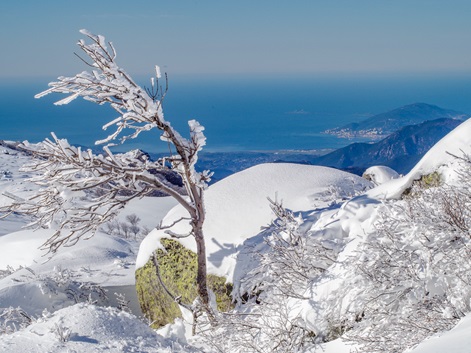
400, 150
384, 124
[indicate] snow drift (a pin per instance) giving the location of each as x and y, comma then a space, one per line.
237, 207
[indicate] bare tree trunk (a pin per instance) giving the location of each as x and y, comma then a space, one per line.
198, 216
201, 276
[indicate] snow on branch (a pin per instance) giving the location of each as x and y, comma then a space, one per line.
65, 172
139, 110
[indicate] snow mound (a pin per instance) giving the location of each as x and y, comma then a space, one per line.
380, 174
87, 328
103, 260
457, 340
237, 207
456, 143
98, 254
22, 248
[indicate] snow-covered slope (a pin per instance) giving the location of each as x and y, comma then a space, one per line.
457, 340
88, 329
237, 207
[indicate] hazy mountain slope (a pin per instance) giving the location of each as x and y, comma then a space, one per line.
383, 124
400, 151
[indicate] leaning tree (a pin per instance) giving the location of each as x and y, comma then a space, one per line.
62, 168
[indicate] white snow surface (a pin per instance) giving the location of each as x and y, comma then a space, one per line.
457, 340
237, 207
90, 329
380, 174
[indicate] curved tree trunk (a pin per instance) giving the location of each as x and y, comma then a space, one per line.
201, 276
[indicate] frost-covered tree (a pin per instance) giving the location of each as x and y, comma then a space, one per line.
65, 172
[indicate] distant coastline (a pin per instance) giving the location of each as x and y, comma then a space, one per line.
373, 134
251, 114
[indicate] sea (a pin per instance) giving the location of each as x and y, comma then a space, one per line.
241, 113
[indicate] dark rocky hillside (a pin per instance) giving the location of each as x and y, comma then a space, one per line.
381, 125
400, 151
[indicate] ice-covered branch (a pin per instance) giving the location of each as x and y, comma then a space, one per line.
67, 171
138, 110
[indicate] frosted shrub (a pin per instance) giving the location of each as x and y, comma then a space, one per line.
412, 276
268, 317
61, 332
122, 302
62, 281
13, 319
292, 260
7, 272
125, 229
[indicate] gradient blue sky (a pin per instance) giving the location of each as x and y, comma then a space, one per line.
258, 36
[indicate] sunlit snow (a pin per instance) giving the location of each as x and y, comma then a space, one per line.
333, 203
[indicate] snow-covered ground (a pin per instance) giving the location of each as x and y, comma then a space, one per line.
83, 328
332, 203
380, 174
457, 340
42, 285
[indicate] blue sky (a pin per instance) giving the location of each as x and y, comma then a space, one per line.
230, 37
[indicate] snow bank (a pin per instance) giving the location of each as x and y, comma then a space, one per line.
380, 174
237, 207
87, 329
22, 248
457, 340
98, 254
